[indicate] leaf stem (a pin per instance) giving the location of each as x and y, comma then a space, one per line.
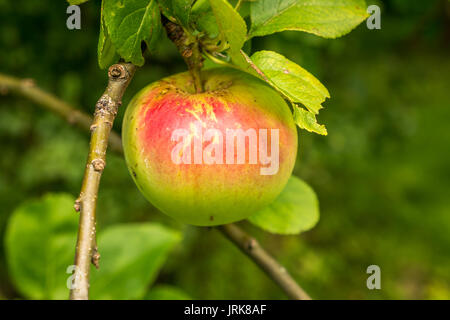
218, 61
238, 5
196, 65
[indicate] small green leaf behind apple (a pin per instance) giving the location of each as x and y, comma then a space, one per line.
295, 210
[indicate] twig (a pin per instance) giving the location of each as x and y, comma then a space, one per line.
28, 89
266, 262
245, 242
105, 113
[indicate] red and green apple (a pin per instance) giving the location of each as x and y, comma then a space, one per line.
214, 157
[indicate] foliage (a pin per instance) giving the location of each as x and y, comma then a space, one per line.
39, 244
325, 18
295, 210
128, 24
132, 255
296, 84
40, 241
124, 25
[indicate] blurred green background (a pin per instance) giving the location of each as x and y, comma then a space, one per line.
382, 174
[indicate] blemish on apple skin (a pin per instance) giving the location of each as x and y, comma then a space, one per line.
211, 218
286, 71
146, 163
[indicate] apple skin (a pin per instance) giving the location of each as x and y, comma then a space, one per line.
206, 194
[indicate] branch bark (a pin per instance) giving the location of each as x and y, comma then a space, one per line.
251, 247
242, 240
106, 108
28, 89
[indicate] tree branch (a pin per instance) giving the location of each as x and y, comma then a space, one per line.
106, 108
251, 247
28, 89
245, 242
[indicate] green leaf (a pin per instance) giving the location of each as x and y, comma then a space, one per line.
107, 54
231, 26
131, 256
295, 210
178, 11
297, 84
292, 81
203, 18
166, 292
244, 9
76, 2
131, 22
40, 245
307, 120
325, 18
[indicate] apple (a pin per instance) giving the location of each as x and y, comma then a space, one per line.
214, 157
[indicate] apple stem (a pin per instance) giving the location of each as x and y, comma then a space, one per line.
189, 48
196, 68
